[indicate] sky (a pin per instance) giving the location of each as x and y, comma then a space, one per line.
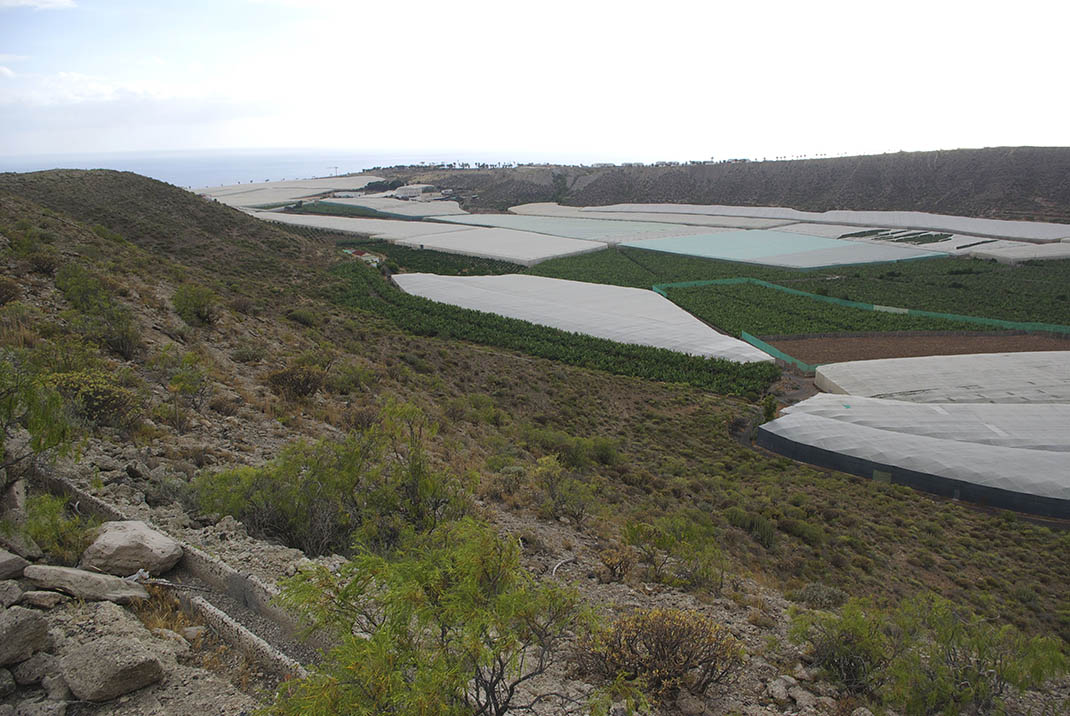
588, 81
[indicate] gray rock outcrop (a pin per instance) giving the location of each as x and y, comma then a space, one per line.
24, 632
122, 548
109, 667
85, 585
11, 565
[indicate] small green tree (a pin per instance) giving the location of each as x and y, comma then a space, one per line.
26, 401
195, 304
451, 625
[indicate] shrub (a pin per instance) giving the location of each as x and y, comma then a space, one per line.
30, 403
564, 495
44, 261
654, 545
819, 596
97, 398
374, 486
195, 304
297, 381
304, 316
453, 625
63, 537
9, 291
853, 647
665, 649
618, 559
249, 353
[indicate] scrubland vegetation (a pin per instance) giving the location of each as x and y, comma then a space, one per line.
438, 421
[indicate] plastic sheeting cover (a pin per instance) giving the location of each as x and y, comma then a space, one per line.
588, 229
625, 315
993, 228
521, 247
388, 229
779, 248
1030, 377
959, 447
262, 193
546, 208
400, 207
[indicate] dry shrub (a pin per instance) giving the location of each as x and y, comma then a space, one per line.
618, 560
664, 649
297, 381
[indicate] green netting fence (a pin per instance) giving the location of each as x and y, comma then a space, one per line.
1027, 326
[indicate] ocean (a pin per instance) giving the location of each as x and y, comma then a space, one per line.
197, 169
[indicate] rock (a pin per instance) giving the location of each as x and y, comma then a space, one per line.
802, 673
138, 471
34, 669
13, 498
106, 463
108, 667
861, 711
41, 708
10, 591
21, 545
123, 548
56, 688
193, 633
778, 691
7, 683
42, 600
827, 703
7, 710
11, 565
802, 697
689, 705
177, 641
24, 632
85, 585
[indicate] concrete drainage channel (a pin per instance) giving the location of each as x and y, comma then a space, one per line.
238, 607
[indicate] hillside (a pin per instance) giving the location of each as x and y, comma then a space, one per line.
628, 483
1029, 183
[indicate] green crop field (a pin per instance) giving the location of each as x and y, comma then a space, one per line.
766, 311
1032, 291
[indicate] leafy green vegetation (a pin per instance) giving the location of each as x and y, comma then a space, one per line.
195, 304
1032, 291
364, 289
927, 655
766, 311
100, 316
56, 530
452, 625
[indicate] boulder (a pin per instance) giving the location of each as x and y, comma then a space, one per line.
10, 591
41, 708
193, 633
85, 585
42, 599
56, 688
25, 631
7, 683
34, 669
21, 545
803, 698
689, 705
108, 667
123, 548
11, 565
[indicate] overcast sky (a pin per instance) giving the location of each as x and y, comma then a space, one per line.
614, 80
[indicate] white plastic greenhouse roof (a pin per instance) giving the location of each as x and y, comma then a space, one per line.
728, 222
401, 207
262, 193
588, 229
521, 247
388, 229
779, 248
992, 228
1030, 377
1013, 448
626, 315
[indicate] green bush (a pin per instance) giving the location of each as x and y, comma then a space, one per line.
9, 290
665, 649
304, 316
297, 381
249, 353
62, 536
374, 486
819, 596
97, 398
196, 305
101, 317
852, 647
452, 625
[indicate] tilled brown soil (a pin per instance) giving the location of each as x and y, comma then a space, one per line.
833, 350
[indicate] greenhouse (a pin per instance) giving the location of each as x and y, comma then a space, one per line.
610, 232
1031, 377
1010, 456
275, 192
626, 315
520, 247
780, 248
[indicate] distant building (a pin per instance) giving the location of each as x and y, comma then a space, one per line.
411, 191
